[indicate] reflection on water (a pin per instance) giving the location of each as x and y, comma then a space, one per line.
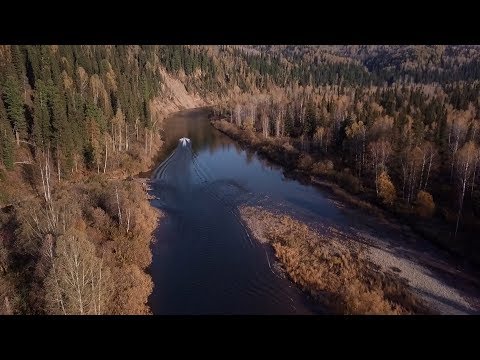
204, 260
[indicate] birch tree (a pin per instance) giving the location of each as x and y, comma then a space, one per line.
78, 283
379, 153
465, 161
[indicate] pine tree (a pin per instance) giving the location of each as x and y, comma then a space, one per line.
6, 145
42, 131
18, 60
33, 66
62, 132
6, 139
14, 106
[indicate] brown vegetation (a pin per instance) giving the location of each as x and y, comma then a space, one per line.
425, 204
74, 234
88, 247
386, 189
328, 173
325, 266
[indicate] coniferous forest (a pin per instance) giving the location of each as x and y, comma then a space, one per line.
397, 127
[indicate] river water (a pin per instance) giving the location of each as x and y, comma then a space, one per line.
204, 261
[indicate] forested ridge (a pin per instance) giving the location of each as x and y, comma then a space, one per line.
397, 125
76, 122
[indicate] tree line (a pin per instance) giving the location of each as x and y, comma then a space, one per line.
398, 122
411, 143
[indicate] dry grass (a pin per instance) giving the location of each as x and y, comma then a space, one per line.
330, 270
349, 198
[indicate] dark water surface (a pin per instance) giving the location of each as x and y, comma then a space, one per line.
204, 261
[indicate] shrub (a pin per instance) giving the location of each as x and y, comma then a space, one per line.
349, 182
386, 189
288, 147
305, 162
322, 167
425, 205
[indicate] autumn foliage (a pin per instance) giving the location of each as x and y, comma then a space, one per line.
88, 249
386, 189
327, 268
351, 114
425, 205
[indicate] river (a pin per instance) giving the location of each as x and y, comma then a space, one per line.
204, 261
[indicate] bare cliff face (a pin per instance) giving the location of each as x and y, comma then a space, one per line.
175, 97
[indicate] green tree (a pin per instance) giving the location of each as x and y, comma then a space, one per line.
62, 131
6, 139
42, 131
14, 106
18, 60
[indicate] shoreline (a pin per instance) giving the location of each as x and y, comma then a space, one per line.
432, 274
421, 229
143, 177
335, 271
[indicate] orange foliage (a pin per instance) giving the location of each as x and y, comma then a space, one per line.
328, 269
425, 204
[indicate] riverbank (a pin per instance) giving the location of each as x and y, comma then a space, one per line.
192, 244
352, 276
334, 271
431, 274
107, 215
301, 166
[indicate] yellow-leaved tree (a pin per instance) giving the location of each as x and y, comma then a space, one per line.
425, 204
386, 189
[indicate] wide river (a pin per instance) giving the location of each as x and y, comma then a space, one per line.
204, 261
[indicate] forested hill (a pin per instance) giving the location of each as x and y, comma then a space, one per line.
71, 99
99, 108
75, 121
380, 64
397, 125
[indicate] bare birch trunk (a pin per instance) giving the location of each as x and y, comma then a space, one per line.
106, 155
118, 205
126, 137
146, 142
128, 220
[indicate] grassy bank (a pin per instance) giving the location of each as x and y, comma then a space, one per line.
333, 272
323, 172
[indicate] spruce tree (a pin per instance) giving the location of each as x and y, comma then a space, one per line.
42, 131
18, 60
6, 139
14, 106
62, 135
